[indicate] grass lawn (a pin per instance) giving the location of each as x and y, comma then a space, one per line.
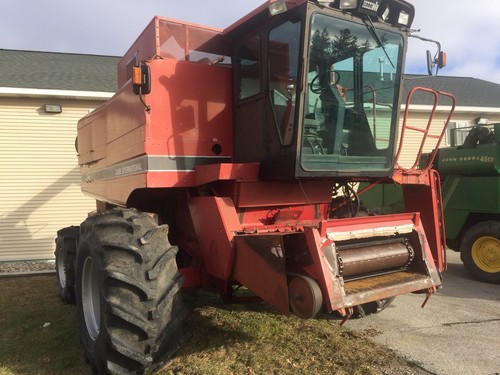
39, 335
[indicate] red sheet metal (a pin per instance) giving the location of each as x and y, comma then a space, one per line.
427, 200
277, 193
260, 266
216, 221
226, 171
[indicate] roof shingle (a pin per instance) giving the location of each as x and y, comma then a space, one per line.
66, 71
58, 71
468, 92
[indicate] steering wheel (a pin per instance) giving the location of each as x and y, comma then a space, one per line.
316, 86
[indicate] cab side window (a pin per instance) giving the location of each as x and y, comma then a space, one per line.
284, 46
249, 67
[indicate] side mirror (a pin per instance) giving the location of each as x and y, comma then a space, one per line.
439, 62
429, 63
433, 63
141, 79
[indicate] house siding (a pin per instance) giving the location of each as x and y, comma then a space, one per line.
39, 176
420, 119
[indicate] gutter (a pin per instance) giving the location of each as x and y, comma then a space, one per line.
461, 109
64, 94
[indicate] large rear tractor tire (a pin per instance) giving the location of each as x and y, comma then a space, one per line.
129, 306
65, 263
480, 251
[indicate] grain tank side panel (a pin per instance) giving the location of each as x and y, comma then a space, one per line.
191, 111
184, 122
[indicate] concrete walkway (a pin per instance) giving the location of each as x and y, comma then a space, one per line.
457, 333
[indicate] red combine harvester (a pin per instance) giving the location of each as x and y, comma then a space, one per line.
229, 159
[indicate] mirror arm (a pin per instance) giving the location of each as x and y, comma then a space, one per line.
439, 60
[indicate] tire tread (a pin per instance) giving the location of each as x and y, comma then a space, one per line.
141, 320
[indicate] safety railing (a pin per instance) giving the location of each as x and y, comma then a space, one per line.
425, 131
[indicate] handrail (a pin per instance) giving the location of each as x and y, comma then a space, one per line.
439, 138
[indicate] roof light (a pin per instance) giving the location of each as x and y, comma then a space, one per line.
404, 18
348, 4
277, 7
385, 14
397, 13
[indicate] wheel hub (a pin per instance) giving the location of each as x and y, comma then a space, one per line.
305, 297
90, 298
486, 254
61, 268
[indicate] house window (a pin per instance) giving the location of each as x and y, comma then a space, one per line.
456, 133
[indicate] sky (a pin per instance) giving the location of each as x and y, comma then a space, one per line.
467, 30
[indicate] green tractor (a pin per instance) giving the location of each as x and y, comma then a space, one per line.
470, 175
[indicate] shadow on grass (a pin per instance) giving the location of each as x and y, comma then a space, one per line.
39, 332
212, 323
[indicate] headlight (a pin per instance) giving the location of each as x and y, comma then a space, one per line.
348, 4
277, 7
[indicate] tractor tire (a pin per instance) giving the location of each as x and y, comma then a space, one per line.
65, 263
129, 305
480, 251
374, 307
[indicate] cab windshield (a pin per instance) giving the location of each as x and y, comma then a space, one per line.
350, 109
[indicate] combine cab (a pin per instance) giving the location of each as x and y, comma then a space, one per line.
229, 158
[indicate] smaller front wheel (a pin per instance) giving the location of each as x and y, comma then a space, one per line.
305, 297
480, 251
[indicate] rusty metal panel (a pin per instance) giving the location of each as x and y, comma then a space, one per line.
385, 286
260, 266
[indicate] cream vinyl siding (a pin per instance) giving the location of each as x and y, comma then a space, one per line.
420, 119
413, 139
39, 176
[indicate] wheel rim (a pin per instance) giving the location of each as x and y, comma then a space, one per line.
90, 298
486, 254
305, 297
61, 269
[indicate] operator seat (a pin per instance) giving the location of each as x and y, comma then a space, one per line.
360, 138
